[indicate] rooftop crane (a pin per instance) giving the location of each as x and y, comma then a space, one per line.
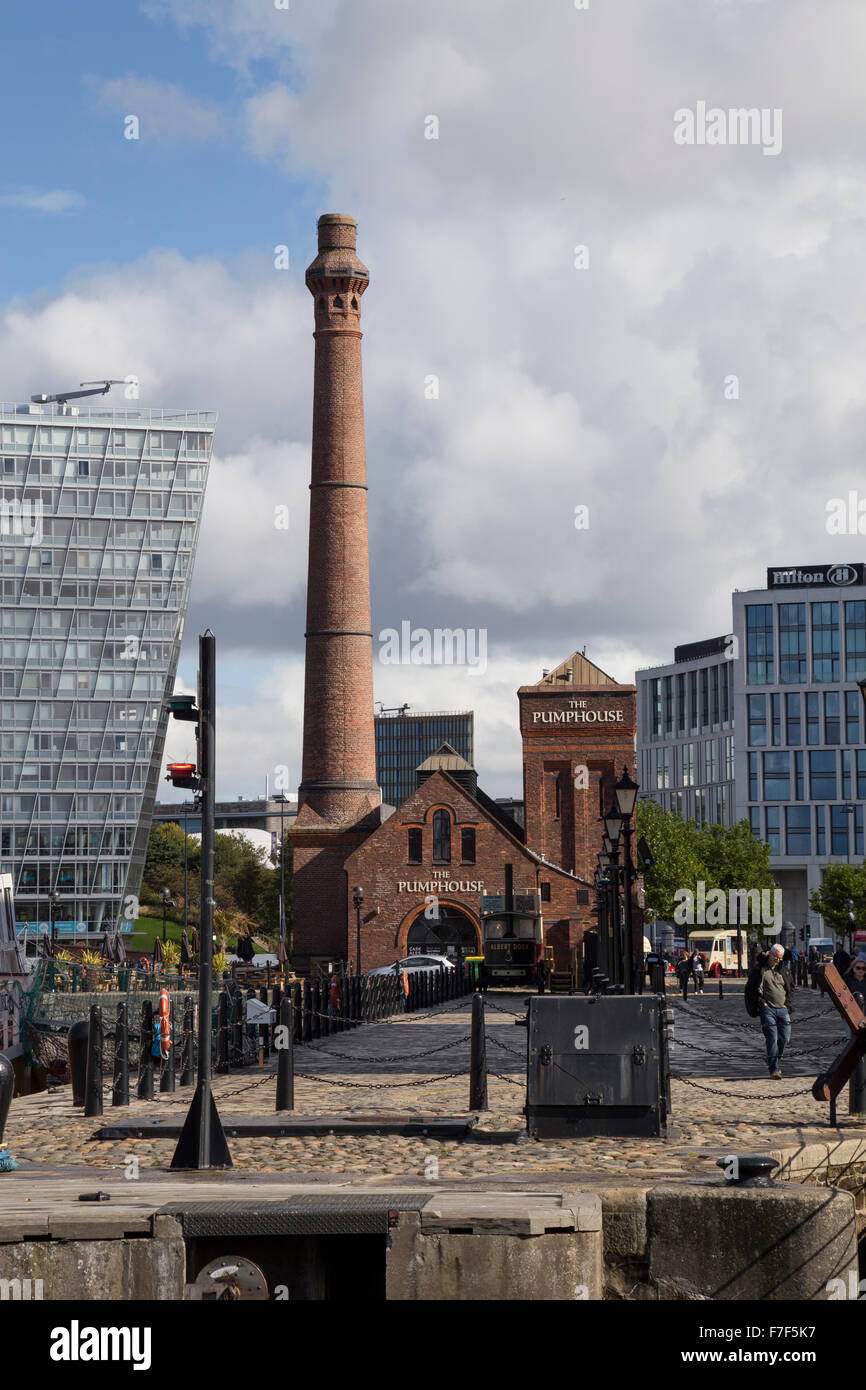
97, 388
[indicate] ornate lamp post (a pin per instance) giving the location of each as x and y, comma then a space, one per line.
613, 827
165, 894
281, 798
53, 899
626, 792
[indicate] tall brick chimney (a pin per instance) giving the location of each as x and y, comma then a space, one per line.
339, 759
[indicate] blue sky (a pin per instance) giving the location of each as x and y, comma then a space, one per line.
564, 382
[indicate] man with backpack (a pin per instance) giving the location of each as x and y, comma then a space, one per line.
768, 996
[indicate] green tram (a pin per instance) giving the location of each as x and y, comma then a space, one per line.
512, 940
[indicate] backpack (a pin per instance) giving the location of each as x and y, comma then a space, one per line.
751, 994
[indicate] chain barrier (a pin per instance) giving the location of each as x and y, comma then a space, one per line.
741, 1095
379, 1085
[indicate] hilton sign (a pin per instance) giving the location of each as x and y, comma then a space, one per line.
577, 713
819, 576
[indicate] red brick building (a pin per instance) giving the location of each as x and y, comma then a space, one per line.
424, 868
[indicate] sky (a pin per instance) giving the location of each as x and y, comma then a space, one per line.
613, 370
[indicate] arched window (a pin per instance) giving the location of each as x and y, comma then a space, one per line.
441, 837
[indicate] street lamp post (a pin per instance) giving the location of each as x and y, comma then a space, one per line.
165, 894
625, 791
358, 900
613, 826
281, 798
185, 868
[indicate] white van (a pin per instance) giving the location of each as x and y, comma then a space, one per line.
719, 950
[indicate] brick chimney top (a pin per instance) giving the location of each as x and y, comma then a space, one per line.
337, 231
337, 259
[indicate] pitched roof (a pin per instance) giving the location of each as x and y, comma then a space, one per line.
445, 759
583, 672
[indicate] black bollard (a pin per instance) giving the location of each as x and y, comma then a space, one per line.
77, 1045
237, 1028
478, 1057
120, 1080
7, 1086
286, 1057
145, 1060
93, 1082
721, 991
187, 1075
222, 1039
685, 985
297, 1009
167, 1069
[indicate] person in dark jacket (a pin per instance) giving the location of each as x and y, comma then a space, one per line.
771, 979
841, 960
855, 975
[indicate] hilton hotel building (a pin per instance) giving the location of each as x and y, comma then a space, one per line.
765, 724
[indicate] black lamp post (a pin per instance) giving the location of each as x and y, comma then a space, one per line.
281, 798
185, 868
358, 900
165, 894
613, 828
626, 792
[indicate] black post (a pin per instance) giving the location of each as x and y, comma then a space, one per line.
202, 1143
187, 1075
286, 1057
627, 882
222, 1038
167, 1081
264, 1030
721, 990
478, 1057
7, 1086
120, 1082
237, 1027
145, 1056
77, 1046
93, 1083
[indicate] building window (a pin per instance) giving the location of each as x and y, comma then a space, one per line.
773, 836
669, 704
798, 830
711, 760
832, 722
705, 697
777, 776
822, 776
755, 821
813, 721
758, 720
855, 640
825, 641
714, 695
688, 760
725, 691
681, 704
838, 830
693, 702
861, 774
799, 789
759, 644
846, 772
753, 777
820, 832
467, 845
545, 892
722, 801
853, 702
792, 643
656, 700
441, 837
729, 758
792, 719
776, 720
415, 846
663, 769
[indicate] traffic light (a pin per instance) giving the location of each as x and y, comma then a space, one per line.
182, 775
808, 932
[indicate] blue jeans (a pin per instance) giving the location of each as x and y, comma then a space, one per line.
776, 1023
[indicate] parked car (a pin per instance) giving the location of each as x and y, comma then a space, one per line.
415, 963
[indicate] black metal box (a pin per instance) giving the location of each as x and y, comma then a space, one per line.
597, 1064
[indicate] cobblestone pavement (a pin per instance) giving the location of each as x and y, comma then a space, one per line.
418, 1065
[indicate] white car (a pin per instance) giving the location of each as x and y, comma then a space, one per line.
411, 964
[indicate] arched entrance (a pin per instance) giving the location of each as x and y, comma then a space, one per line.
452, 934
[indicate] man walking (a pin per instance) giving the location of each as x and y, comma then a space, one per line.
771, 987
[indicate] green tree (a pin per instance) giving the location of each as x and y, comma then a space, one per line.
164, 848
733, 858
841, 882
675, 847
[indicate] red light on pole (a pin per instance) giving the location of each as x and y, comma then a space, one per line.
182, 775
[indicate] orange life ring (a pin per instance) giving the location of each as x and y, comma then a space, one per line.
406, 983
336, 998
162, 1019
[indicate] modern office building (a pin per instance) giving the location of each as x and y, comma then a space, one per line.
794, 657
404, 741
98, 530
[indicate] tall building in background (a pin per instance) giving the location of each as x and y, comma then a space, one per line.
404, 741
98, 530
766, 725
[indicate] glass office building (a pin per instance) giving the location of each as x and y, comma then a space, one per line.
794, 763
404, 741
99, 520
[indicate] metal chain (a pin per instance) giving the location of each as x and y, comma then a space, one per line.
740, 1095
379, 1085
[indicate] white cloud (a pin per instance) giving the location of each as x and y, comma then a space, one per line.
51, 200
165, 111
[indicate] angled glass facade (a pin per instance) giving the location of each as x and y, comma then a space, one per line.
99, 519
403, 741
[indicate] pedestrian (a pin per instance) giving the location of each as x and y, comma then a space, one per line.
684, 969
769, 995
813, 966
697, 968
855, 976
841, 960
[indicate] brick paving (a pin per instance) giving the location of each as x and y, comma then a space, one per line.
408, 1065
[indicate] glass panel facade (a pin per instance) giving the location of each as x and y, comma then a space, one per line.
792, 643
404, 741
825, 641
759, 644
95, 584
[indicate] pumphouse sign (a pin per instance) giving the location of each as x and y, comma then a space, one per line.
437, 885
577, 712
